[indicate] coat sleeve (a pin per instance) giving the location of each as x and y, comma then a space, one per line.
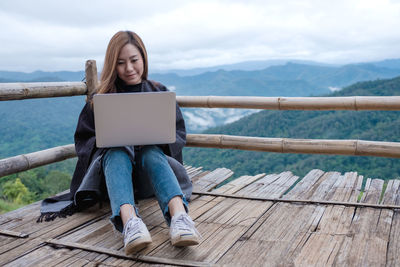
175, 149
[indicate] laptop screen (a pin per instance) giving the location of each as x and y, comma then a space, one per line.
125, 119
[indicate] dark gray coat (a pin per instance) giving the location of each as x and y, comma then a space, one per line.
85, 190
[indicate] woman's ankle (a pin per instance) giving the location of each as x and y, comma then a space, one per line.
127, 211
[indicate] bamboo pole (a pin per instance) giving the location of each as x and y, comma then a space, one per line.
300, 201
91, 78
286, 145
32, 160
18, 91
293, 103
153, 260
278, 145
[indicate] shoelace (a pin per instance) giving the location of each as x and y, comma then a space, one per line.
185, 223
132, 225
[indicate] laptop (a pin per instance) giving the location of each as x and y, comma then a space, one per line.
125, 119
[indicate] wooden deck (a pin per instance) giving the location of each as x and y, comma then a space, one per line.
246, 231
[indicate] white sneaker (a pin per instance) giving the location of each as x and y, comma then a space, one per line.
182, 231
136, 235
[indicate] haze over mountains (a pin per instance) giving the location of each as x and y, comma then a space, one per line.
253, 78
35, 124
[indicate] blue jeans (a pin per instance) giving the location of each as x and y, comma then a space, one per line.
152, 175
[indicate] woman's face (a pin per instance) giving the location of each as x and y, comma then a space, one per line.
130, 65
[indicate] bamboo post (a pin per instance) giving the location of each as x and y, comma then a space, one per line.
91, 78
32, 160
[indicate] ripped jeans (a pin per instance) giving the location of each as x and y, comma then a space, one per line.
152, 176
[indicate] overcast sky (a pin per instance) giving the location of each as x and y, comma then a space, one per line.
61, 35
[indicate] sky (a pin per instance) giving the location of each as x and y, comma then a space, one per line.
59, 35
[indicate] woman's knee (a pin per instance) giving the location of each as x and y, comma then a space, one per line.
116, 155
152, 154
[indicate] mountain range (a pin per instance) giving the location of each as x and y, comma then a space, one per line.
252, 78
34, 124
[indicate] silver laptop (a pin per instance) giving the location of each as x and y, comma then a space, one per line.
125, 119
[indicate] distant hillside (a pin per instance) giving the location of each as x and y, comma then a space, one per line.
284, 80
28, 124
278, 80
35, 124
41, 76
365, 125
263, 64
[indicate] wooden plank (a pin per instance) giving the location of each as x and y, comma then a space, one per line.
271, 185
194, 171
369, 232
102, 234
274, 236
86, 234
251, 232
392, 196
221, 226
237, 184
283, 228
159, 234
47, 230
31, 259
106, 240
4, 240
305, 187
137, 257
278, 187
323, 244
13, 233
18, 216
212, 179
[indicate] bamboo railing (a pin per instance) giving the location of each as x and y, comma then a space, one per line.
293, 103
278, 145
18, 91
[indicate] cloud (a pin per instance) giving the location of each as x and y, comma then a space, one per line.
61, 35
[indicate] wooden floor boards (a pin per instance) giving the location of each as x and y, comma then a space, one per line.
235, 231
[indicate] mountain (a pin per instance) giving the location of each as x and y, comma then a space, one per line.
364, 125
245, 66
41, 76
30, 125
291, 79
387, 63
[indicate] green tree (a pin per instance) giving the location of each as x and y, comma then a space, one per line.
17, 192
54, 183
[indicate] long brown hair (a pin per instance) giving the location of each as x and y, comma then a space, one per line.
109, 73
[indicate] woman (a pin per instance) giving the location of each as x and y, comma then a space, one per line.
130, 172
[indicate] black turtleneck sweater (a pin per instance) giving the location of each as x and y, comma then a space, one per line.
122, 87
